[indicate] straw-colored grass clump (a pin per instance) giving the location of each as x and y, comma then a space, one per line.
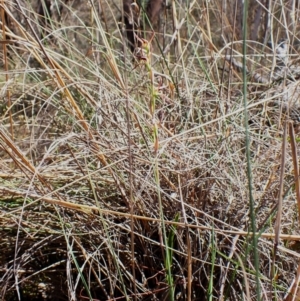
141, 175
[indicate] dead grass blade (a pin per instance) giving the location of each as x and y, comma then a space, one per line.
280, 197
296, 166
5, 59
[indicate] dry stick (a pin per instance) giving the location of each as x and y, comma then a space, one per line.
293, 292
296, 166
6, 65
280, 198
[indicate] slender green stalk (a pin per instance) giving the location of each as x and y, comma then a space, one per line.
171, 235
169, 259
248, 155
146, 58
213, 259
168, 252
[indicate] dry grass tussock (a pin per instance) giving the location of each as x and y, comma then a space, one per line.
124, 176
